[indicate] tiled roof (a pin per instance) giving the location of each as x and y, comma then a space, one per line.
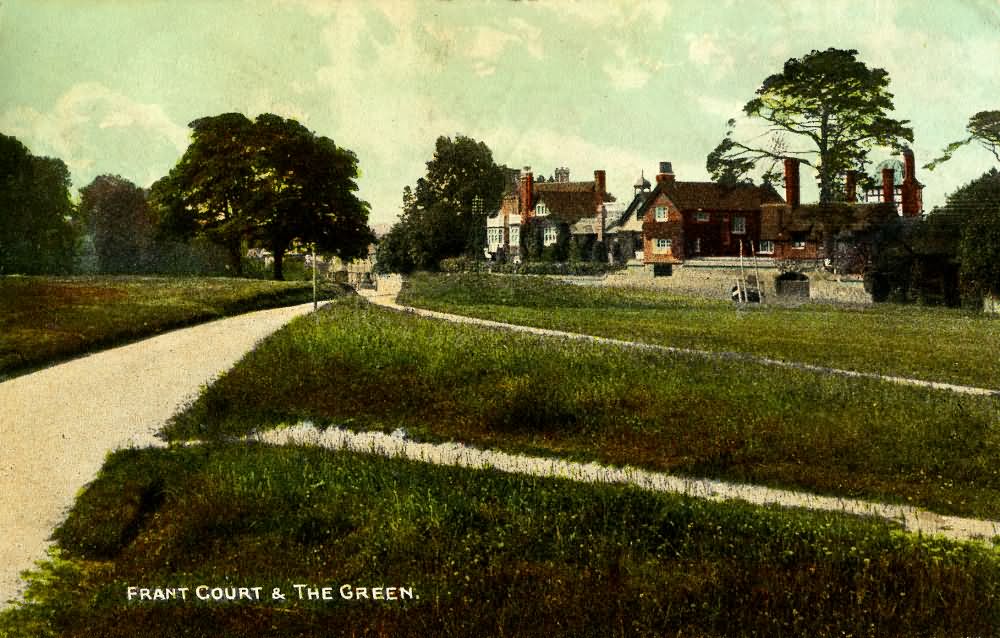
568, 201
712, 196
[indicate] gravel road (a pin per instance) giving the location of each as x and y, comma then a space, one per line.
57, 424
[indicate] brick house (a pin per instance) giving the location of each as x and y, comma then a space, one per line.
580, 206
687, 220
792, 231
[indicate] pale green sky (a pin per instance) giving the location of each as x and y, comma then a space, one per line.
110, 85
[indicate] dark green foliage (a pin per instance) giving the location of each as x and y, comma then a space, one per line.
440, 217
115, 214
36, 232
832, 100
271, 181
952, 253
488, 554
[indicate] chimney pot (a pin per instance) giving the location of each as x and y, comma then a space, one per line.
852, 186
888, 186
792, 193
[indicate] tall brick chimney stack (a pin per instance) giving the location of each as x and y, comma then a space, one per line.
600, 188
666, 174
792, 192
527, 189
851, 186
911, 203
888, 186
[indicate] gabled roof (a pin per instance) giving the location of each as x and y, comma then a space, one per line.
711, 196
567, 201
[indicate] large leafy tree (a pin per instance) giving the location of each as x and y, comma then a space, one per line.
441, 217
116, 214
36, 230
826, 108
984, 128
271, 181
977, 205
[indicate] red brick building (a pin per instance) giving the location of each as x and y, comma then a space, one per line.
686, 220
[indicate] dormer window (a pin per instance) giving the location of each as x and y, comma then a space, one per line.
541, 210
661, 213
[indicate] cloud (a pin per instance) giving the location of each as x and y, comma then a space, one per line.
704, 50
68, 130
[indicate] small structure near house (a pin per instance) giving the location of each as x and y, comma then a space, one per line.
792, 284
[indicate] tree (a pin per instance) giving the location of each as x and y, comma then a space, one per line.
115, 213
977, 205
271, 181
983, 127
439, 218
36, 230
829, 99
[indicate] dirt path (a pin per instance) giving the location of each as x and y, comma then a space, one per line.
57, 424
389, 288
911, 518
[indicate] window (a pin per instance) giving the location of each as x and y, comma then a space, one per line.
661, 213
739, 224
541, 210
702, 217
549, 236
766, 247
798, 244
662, 245
697, 245
515, 235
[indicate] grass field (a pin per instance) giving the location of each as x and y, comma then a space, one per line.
483, 554
49, 319
934, 344
366, 367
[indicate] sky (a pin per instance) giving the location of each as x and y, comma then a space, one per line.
109, 86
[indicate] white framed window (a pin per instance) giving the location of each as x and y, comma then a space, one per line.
515, 235
766, 247
661, 213
739, 225
798, 244
702, 217
541, 210
549, 235
661, 245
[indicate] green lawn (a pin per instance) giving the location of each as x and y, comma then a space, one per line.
935, 344
366, 367
48, 319
482, 553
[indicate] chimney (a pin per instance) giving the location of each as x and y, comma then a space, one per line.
911, 203
666, 173
562, 174
852, 186
888, 187
527, 189
600, 188
792, 182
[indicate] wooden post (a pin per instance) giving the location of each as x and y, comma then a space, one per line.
315, 300
756, 271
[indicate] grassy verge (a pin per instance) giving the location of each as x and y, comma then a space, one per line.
48, 319
370, 368
484, 554
936, 344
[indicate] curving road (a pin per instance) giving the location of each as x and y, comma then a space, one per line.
57, 424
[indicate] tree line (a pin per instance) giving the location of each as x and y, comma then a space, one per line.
268, 182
